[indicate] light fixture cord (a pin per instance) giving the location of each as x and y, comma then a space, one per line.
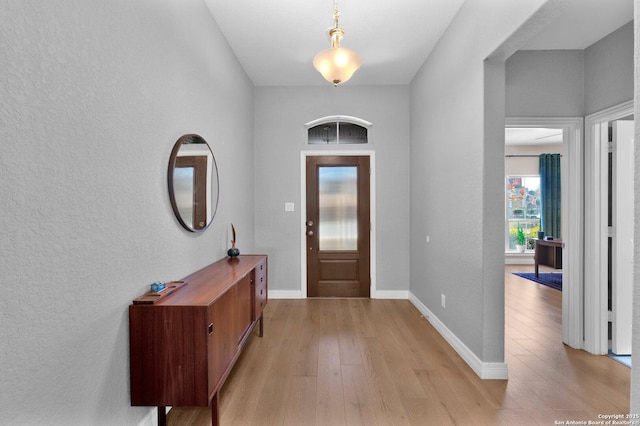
336, 32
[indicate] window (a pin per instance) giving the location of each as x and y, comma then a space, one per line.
338, 130
522, 198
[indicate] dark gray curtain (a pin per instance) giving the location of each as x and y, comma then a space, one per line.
550, 194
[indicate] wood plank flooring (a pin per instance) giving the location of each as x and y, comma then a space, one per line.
379, 362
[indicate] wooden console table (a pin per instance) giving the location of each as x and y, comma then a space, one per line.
549, 253
183, 346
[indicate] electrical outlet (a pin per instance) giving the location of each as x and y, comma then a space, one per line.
443, 301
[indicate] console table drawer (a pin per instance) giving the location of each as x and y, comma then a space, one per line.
261, 288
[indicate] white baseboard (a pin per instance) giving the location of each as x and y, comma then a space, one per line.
285, 294
518, 259
391, 294
151, 419
484, 370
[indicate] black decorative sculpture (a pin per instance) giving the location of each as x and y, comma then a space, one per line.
233, 251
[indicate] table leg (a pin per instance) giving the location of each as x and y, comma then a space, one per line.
162, 416
536, 256
215, 414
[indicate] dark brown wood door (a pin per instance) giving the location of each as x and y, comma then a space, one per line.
338, 226
191, 173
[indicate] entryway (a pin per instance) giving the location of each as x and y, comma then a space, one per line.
338, 226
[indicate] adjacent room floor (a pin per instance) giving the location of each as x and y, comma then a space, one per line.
379, 362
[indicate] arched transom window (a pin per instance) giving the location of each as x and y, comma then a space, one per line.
337, 130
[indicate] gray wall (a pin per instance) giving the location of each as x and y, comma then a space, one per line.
93, 96
457, 174
280, 136
571, 83
609, 71
545, 83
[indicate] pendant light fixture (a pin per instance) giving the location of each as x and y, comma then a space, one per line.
336, 64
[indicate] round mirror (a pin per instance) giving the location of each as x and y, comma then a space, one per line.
193, 183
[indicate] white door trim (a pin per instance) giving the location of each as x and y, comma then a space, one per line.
303, 212
595, 296
572, 220
622, 250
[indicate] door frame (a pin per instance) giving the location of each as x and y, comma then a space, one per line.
303, 211
596, 336
572, 220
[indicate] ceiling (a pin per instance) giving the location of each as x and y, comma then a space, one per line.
532, 136
276, 40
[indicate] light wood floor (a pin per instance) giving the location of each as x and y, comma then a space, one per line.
378, 362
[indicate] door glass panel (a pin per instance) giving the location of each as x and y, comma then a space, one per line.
338, 208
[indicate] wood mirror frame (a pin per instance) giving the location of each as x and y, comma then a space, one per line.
193, 182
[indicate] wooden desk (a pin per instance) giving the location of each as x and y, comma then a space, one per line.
549, 253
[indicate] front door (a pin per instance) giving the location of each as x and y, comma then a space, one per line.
338, 226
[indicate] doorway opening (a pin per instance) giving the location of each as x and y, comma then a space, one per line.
524, 194
571, 219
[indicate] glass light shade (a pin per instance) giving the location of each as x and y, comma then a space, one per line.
337, 64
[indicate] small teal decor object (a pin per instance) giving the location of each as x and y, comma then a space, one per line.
233, 251
157, 287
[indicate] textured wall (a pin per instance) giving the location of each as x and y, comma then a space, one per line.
457, 159
571, 83
280, 136
93, 95
545, 83
609, 70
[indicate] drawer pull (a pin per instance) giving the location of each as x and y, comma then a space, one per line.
261, 291
210, 329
